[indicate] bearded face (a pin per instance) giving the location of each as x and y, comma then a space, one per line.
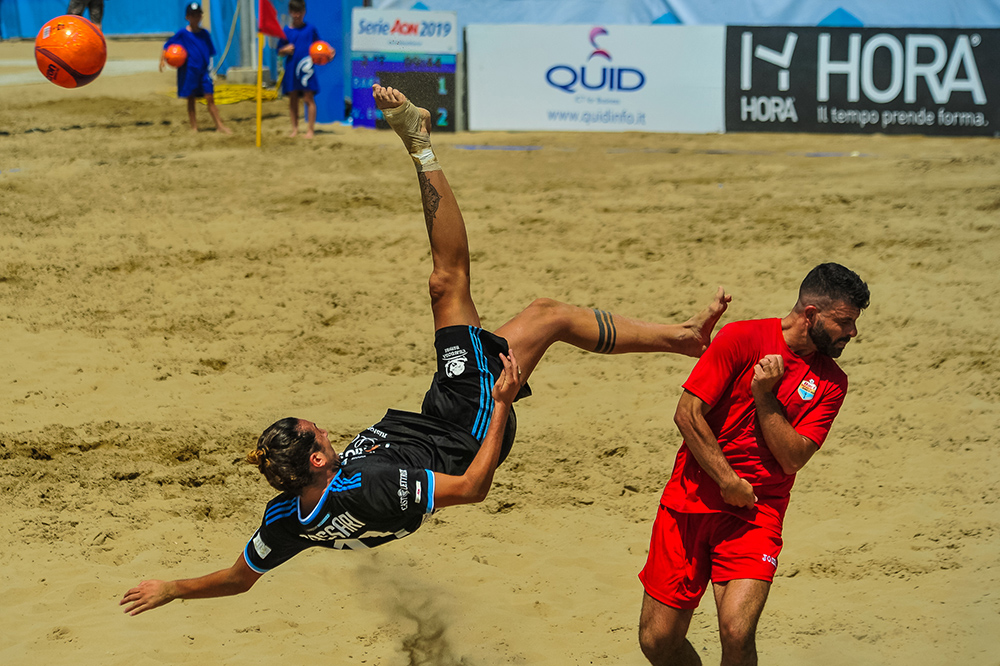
824, 340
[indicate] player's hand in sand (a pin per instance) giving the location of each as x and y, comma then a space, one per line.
147, 595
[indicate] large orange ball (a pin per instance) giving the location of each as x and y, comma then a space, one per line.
175, 55
70, 51
321, 52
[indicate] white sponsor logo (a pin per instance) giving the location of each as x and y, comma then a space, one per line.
908, 63
454, 359
404, 491
770, 560
768, 109
262, 549
782, 59
916, 57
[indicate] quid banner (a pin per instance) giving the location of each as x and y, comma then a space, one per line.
611, 78
863, 80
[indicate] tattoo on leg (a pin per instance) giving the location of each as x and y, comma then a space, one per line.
431, 200
608, 334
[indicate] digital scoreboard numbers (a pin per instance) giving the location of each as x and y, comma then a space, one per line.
427, 79
413, 51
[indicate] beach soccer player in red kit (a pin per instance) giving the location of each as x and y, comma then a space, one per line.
756, 407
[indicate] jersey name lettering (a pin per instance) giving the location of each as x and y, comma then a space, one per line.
342, 526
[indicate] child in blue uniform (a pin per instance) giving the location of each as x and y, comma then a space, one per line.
193, 77
300, 79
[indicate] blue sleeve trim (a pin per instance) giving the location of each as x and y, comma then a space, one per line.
246, 557
430, 491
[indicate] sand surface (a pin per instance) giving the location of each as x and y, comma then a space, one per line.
165, 295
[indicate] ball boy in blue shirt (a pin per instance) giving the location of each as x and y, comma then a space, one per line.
299, 81
193, 77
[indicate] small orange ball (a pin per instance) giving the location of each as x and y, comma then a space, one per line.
321, 52
70, 51
175, 55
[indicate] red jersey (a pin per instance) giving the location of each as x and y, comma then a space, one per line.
811, 390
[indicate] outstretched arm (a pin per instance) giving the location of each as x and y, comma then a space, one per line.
150, 594
474, 485
690, 420
790, 449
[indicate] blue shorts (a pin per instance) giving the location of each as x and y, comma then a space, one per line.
468, 365
194, 83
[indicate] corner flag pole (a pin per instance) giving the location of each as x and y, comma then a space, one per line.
260, 80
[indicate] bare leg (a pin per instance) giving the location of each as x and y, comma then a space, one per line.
213, 111
192, 115
451, 296
309, 102
662, 634
531, 332
293, 112
739, 604
545, 321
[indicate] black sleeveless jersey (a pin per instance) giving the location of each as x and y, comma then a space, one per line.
383, 491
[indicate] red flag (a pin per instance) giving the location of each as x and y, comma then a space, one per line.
267, 20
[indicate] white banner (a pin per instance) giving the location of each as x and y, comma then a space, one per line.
596, 78
403, 31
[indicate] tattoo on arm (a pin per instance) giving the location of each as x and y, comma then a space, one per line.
608, 334
431, 200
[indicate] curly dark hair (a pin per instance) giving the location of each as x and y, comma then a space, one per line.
282, 455
836, 283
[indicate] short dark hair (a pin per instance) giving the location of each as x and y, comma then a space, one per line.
836, 283
296, 5
282, 455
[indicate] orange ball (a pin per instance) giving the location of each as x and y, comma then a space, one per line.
70, 51
321, 52
175, 55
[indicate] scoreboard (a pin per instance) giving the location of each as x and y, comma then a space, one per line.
414, 51
427, 79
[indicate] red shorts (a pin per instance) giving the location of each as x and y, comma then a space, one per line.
687, 550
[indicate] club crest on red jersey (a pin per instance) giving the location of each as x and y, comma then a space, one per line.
807, 389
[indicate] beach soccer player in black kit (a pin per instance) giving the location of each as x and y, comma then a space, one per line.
400, 470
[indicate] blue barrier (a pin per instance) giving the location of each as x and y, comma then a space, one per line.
22, 19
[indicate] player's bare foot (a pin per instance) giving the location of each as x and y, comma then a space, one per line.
310, 134
294, 133
698, 329
411, 123
223, 129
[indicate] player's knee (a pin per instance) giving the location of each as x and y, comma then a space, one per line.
659, 647
446, 283
736, 637
546, 310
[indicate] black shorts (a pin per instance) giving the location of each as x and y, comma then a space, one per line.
468, 365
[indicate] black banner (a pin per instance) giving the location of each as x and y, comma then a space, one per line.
863, 80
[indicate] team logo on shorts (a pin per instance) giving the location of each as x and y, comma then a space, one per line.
807, 389
454, 359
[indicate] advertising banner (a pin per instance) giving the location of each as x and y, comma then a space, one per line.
414, 51
595, 78
403, 31
863, 80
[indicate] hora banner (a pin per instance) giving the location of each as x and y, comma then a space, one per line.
846, 80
